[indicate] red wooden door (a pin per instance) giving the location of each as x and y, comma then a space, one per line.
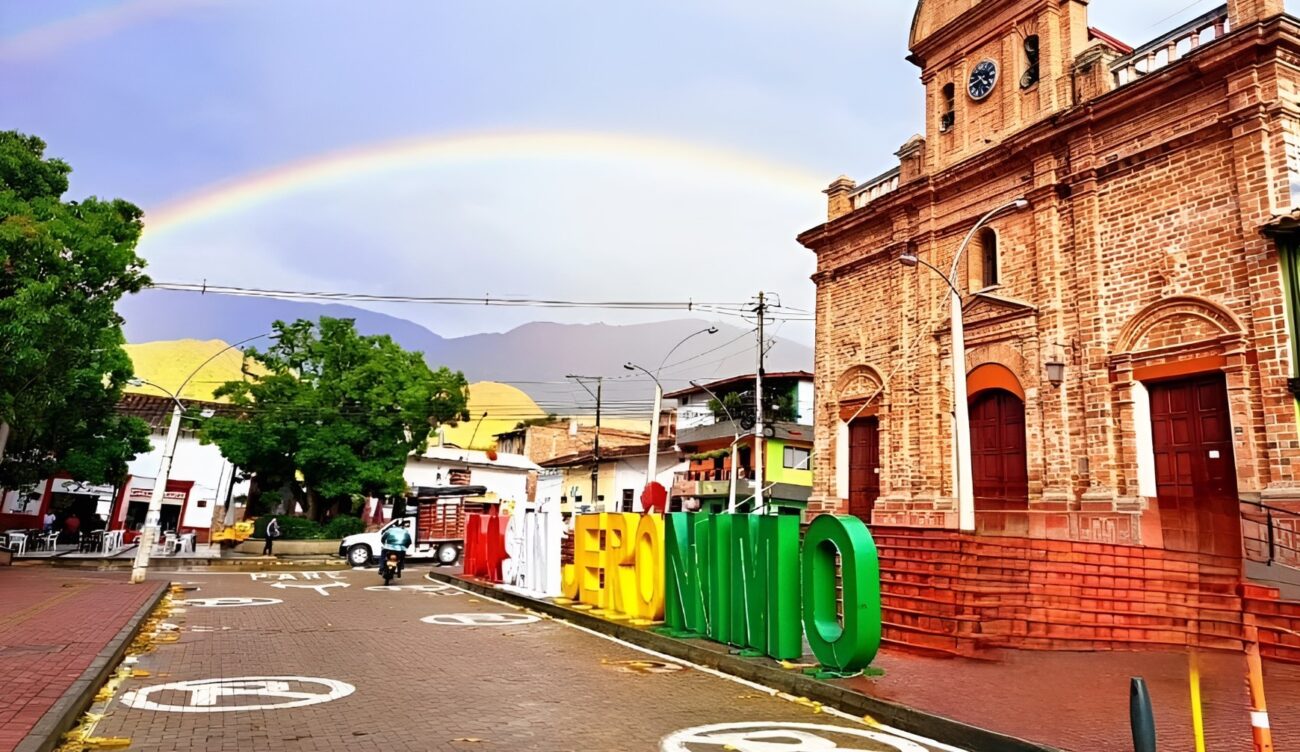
999, 466
1196, 478
864, 466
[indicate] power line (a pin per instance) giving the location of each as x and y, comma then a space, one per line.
723, 308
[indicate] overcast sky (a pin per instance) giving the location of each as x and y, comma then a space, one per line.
706, 129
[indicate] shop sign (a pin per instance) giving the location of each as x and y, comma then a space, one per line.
143, 494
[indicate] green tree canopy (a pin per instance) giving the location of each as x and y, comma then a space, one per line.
63, 267
339, 411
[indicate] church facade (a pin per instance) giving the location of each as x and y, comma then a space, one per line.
1126, 275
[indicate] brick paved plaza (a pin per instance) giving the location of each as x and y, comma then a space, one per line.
53, 626
539, 685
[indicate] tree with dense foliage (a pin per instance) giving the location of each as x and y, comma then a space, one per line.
63, 267
336, 415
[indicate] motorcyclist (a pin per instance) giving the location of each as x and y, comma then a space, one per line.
395, 541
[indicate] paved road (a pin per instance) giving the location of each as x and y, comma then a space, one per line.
406, 669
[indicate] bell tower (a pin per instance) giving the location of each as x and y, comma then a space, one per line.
992, 67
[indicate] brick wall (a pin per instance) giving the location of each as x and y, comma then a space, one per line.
1142, 250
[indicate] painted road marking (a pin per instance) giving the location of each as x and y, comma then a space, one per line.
229, 602
782, 737
283, 576
409, 588
320, 587
480, 619
208, 695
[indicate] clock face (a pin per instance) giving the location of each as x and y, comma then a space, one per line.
982, 79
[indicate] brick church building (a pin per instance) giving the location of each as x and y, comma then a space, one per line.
1127, 292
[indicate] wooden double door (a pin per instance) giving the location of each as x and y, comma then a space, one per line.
1196, 475
999, 463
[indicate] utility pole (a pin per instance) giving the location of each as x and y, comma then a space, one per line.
595, 467
759, 480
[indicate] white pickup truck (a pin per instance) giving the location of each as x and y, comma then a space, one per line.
437, 526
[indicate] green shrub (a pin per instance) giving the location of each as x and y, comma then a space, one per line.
291, 528
343, 526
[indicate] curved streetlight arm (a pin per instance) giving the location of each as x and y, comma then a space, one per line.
634, 367
1017, 203
709, 330
935, 269
137, 381
181, 389
730, 417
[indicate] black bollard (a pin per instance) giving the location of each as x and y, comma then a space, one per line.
1140, 717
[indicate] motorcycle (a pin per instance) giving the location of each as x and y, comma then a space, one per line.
389, 570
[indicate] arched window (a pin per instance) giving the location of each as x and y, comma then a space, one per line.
948, 118
988, 257
1031, 62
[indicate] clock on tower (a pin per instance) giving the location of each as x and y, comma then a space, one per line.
982, 80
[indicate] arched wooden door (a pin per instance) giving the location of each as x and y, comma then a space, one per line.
864, 467
999, 465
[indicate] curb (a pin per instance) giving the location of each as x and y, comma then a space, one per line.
48, 732
253, 564
903, 717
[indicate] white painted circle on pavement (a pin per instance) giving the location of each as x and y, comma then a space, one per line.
409, 588
783, 737
480, 619
230, 602
222, 695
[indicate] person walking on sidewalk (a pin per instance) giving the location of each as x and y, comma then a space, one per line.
272, 532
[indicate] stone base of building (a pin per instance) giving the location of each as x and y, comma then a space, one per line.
957, 593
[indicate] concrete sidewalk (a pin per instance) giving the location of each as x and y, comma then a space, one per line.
1069, 701
61, 632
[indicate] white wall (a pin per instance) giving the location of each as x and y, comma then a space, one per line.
804, 400
508, 483
195, 462
629, 472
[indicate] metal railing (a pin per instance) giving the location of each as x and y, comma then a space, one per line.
1271, 535
1171, 47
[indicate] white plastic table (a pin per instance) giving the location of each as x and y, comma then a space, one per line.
18, 542
113, 540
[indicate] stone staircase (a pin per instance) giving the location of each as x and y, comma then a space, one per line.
953, 593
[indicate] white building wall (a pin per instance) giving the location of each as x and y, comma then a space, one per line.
629, 472
508, 483
193, 461
804, 400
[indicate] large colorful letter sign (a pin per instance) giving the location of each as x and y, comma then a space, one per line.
683, 606
765, 585
618, 565
485, 545
736, 578
852, 645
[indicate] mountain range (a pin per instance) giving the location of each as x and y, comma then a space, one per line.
536, 357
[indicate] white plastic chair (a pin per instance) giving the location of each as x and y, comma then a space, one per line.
18, 542
186, 544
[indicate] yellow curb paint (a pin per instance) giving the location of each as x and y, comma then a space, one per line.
1194, 679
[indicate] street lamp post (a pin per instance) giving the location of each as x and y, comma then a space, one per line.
961, 409
152, 518
653, 462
